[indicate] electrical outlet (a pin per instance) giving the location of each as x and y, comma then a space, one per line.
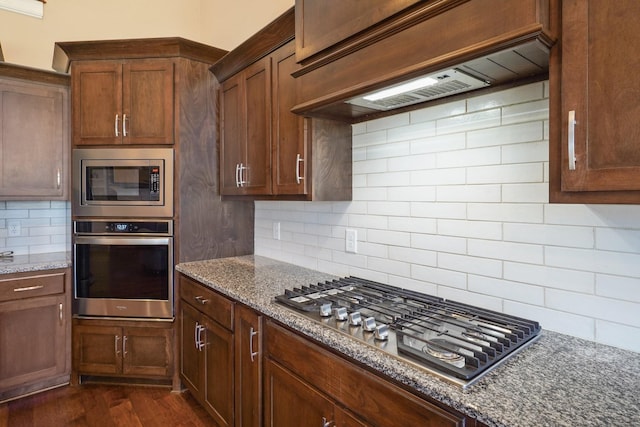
13, 228
276, 230
351, 241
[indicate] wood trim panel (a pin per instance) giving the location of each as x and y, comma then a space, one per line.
265, 41
34, 74
168, 47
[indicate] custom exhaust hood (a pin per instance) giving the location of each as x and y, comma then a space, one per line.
426, 54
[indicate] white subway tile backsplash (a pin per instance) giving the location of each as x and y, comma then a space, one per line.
470, 264
468, 122
619, 287
507, 251
516, 95
526, 192
612, 310
556, 235
452, 200
512, 291
506, 136
506, 174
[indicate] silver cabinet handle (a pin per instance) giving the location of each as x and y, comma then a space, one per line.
117, 348
58, 178
124, 125
196, 329
28, 288
237, 174
117, 125
299, 176
243, 168
326, 423
202, 300
571, 140
60, 313
199, 343
124, 346
252, 333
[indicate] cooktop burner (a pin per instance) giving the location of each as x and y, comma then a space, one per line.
455, 341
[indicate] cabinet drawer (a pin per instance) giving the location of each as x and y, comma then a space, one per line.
373, 399
28, 286
207, 301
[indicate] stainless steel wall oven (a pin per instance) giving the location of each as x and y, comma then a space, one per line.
123, 268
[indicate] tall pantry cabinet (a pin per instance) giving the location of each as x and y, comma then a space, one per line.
155, 92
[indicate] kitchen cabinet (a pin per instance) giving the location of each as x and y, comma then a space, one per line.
268, 152
220, 355
207, 349
34, 142
304, 380
594, 139
35, 332
123, 102
245, 121
248, 367
338, 23
118, 348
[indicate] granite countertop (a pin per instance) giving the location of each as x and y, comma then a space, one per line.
34, 262
557, 381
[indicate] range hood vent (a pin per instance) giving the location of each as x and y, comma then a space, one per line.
439, 85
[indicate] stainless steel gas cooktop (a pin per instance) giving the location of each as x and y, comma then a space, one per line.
457, 342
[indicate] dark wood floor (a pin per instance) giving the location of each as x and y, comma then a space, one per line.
105, 405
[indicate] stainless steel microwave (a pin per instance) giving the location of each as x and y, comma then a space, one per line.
122, 182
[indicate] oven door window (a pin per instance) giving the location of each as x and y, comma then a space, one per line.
122, 183
123, 271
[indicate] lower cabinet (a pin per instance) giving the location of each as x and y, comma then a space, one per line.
303, 381
122, 348
34, 332
220, 355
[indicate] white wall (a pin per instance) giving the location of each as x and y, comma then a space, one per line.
224, 24
453, 201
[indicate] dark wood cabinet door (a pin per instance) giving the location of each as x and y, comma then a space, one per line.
248, 367
257, 82
96, 89
34, 140
191, 361
290, 402
597, 88
232, 137
289, 143
146, 351
33, 341
147, 96
97, 349
218, 355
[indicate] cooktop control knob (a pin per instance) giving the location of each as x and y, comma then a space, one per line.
355, 319
340, 313
325, 310
381, 333
369, 324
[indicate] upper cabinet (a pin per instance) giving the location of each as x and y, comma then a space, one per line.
34, 137
245, 123
347, 20
594, 104
122, 102
267, 151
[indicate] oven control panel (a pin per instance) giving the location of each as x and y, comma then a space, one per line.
97, 227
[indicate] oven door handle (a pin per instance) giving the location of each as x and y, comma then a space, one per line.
116, 240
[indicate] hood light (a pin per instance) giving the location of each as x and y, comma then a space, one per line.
406, 87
